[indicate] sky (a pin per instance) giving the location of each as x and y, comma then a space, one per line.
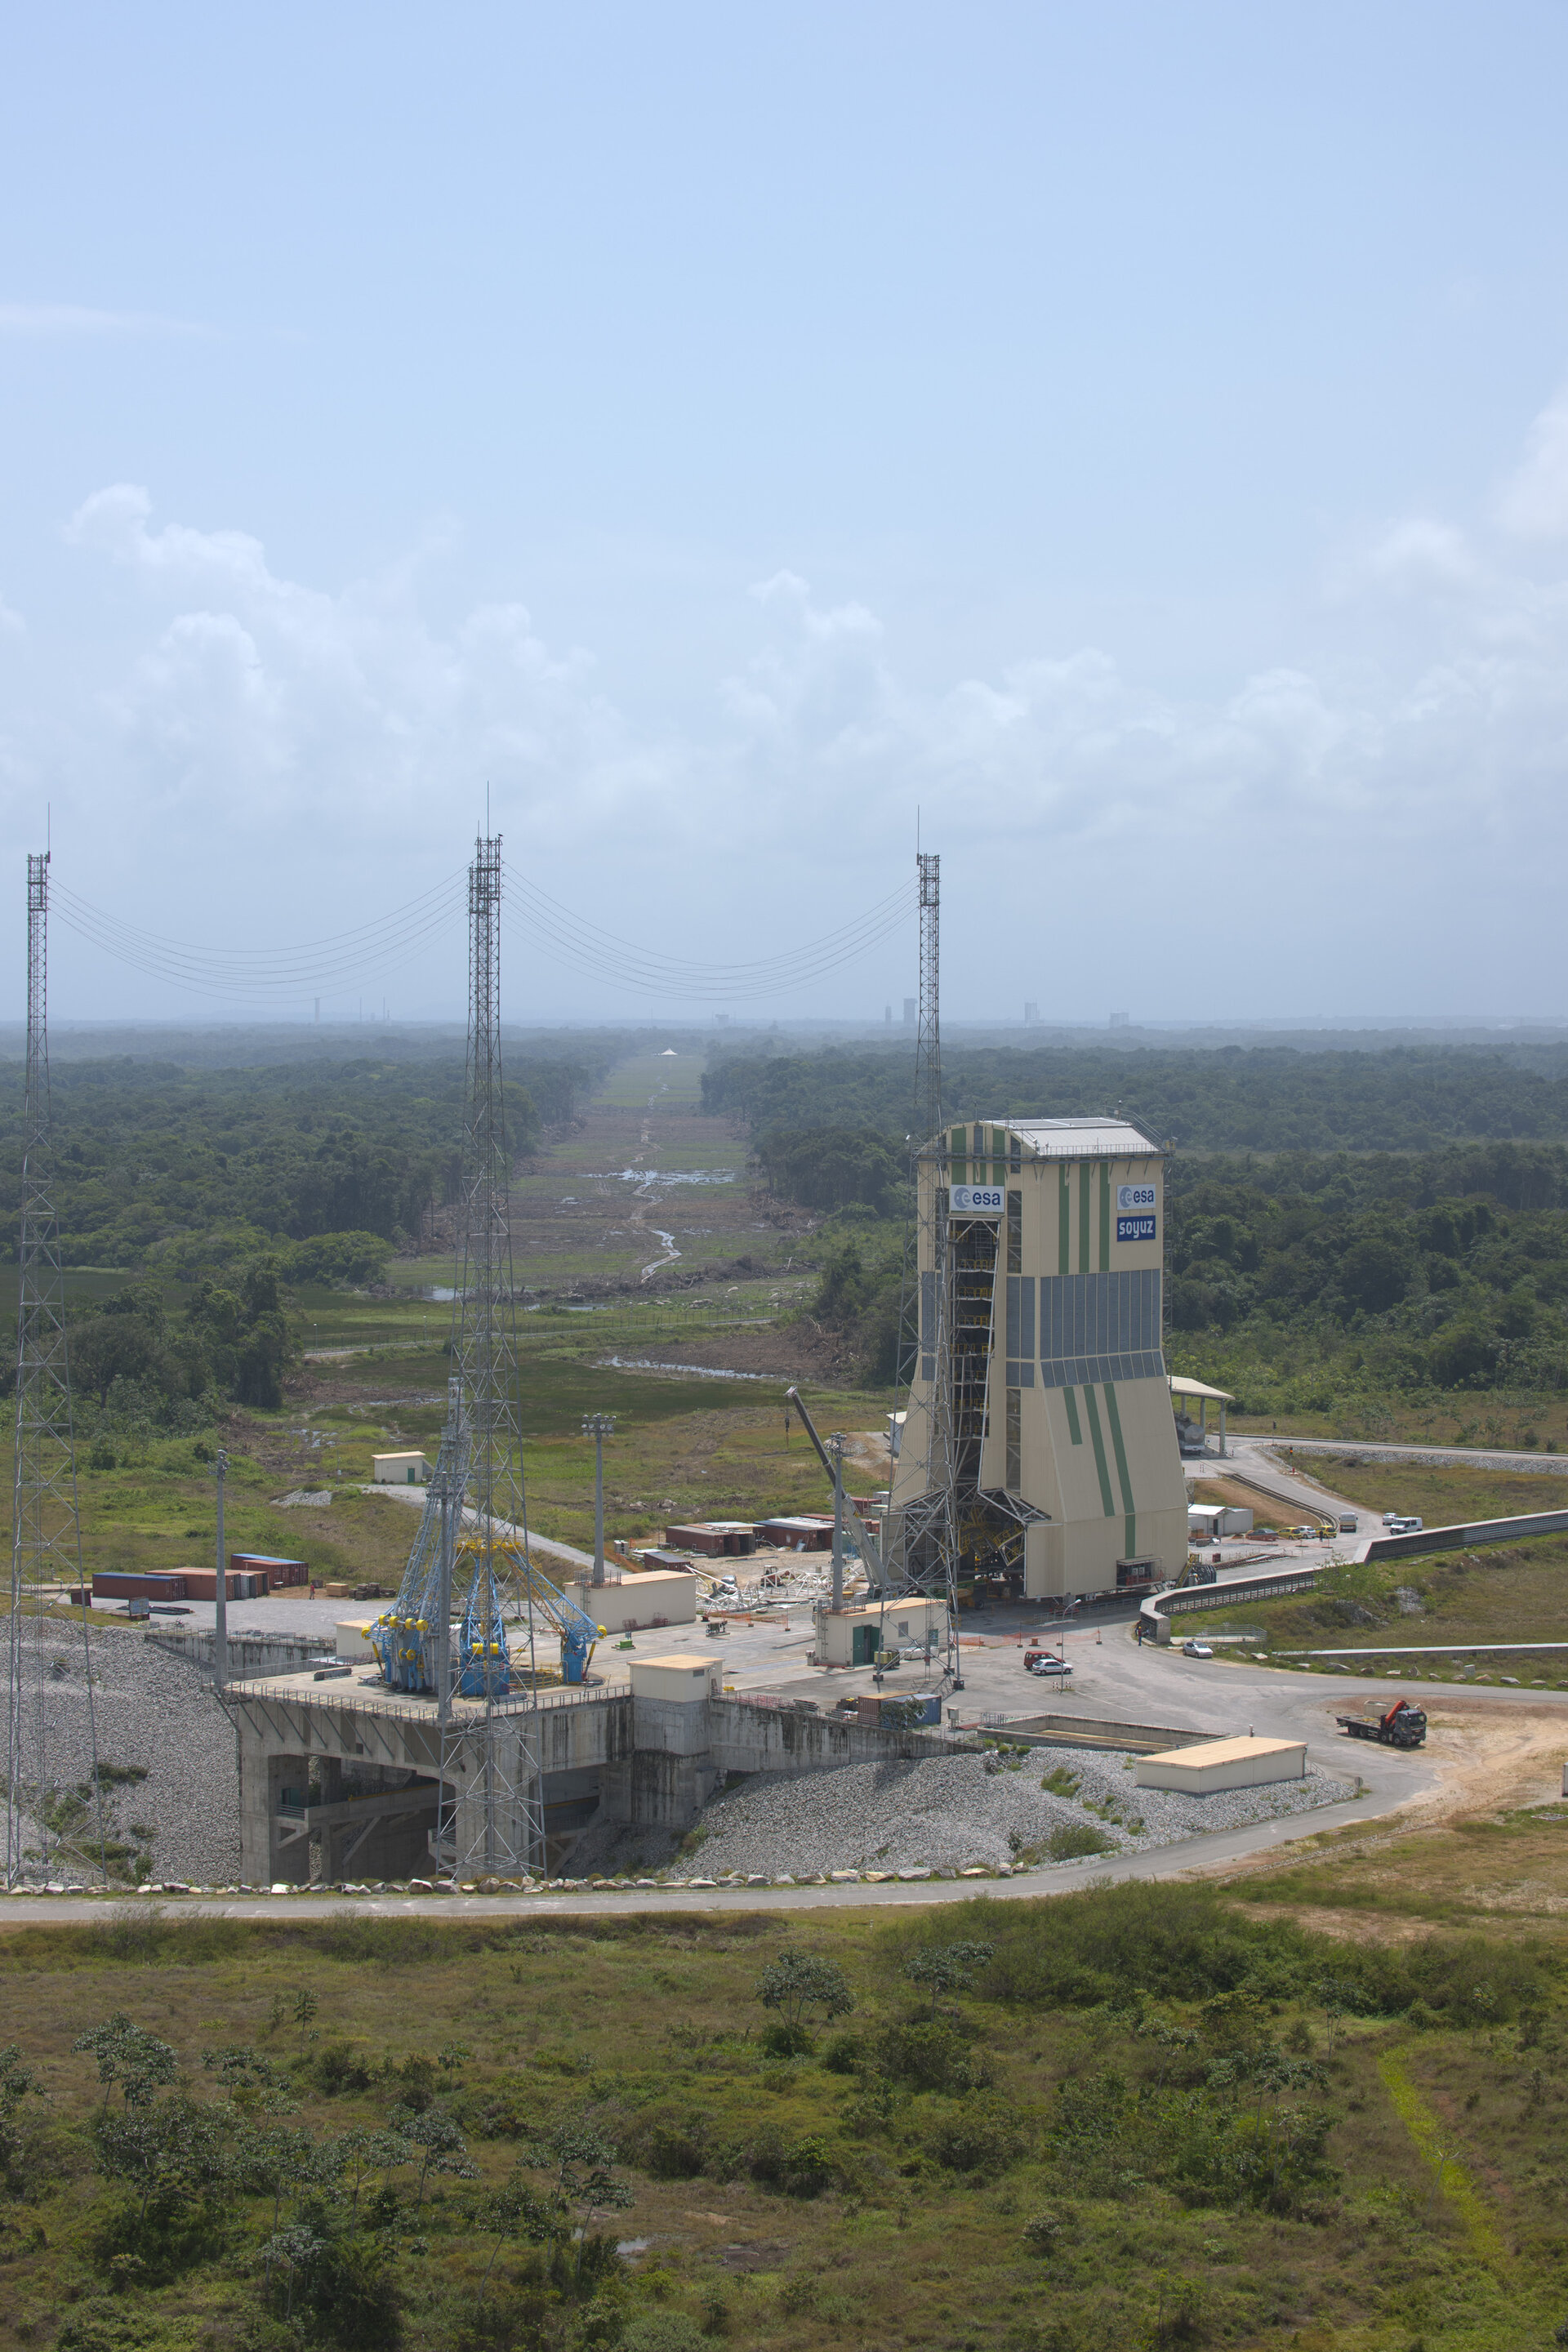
1127, 443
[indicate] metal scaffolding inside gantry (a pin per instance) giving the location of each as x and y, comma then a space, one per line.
465, 1626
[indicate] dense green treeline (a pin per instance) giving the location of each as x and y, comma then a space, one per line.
1260, 1098
1425, 1253
1446, 1291
158, 1164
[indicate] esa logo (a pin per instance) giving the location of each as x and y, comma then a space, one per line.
1134, 1229
1132, 1197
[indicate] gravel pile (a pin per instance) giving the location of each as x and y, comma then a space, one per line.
950, 1811
153, 1710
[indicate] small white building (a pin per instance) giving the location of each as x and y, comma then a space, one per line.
852, 1637
677, 1676
399, 1469
658, 1596
1206, 1521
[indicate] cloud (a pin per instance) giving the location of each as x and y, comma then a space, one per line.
312, 738
37, 320
1534, 502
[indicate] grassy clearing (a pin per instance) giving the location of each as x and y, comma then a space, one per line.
1499, 1418
1510, 1868
683, 1447
1514, 1592
1443, 1498
1159, 2118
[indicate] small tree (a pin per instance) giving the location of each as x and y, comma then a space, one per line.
355, 2155
434, 2143
946, 1967
515, 2211
797, 1983
127, 2054
582, 2162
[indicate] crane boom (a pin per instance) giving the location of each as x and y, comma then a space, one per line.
870, 1548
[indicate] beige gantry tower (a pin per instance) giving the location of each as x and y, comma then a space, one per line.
1039, 1408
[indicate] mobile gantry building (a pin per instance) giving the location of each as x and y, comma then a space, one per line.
1041, 1277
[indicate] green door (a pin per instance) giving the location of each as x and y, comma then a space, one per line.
864, 1650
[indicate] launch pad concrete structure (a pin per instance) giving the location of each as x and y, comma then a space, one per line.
1039, 1391
342, 1779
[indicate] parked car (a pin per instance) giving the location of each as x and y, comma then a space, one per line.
1405, 1526
1197, 1649
1047, 1662
1348, 1524
1303, 1531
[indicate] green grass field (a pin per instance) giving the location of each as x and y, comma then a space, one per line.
1160, 2117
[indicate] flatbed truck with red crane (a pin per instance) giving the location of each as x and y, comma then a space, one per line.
1400, 1725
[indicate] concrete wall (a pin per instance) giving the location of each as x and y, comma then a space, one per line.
649, 1761
1472, 1531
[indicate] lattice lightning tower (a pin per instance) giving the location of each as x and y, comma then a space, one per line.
45, 1529
928, 1037
922, 1551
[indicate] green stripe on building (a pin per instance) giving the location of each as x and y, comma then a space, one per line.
1113, 1414
1097, 1440
1083, 1218
1105, 1221
1064, 1225
1075, 1427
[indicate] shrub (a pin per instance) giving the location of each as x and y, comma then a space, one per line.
1068, 1840
671, 2147
782, 2040
350, 2292
844, 2053
932, 2057
662, 2331
980, 2140
337, 2067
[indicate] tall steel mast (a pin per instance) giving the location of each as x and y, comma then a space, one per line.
45, 1526
493, 1821
923, 1551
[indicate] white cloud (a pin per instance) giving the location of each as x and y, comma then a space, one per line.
1534, 502
36, 320
291, 734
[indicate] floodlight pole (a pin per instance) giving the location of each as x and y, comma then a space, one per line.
598, 1426
220, 1588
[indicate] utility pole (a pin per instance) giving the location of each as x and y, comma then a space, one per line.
598, 1426
220, 1590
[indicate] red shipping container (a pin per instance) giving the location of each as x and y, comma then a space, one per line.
279, 1574
201, 1584
111, 1584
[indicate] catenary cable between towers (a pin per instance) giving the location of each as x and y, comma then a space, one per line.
253, 975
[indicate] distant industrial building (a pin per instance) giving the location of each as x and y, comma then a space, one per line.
1041, 1277
399, 1469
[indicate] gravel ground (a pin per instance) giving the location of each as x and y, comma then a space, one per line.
951, 1813
153, 1710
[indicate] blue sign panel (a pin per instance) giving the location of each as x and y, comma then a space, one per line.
1135, 1229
